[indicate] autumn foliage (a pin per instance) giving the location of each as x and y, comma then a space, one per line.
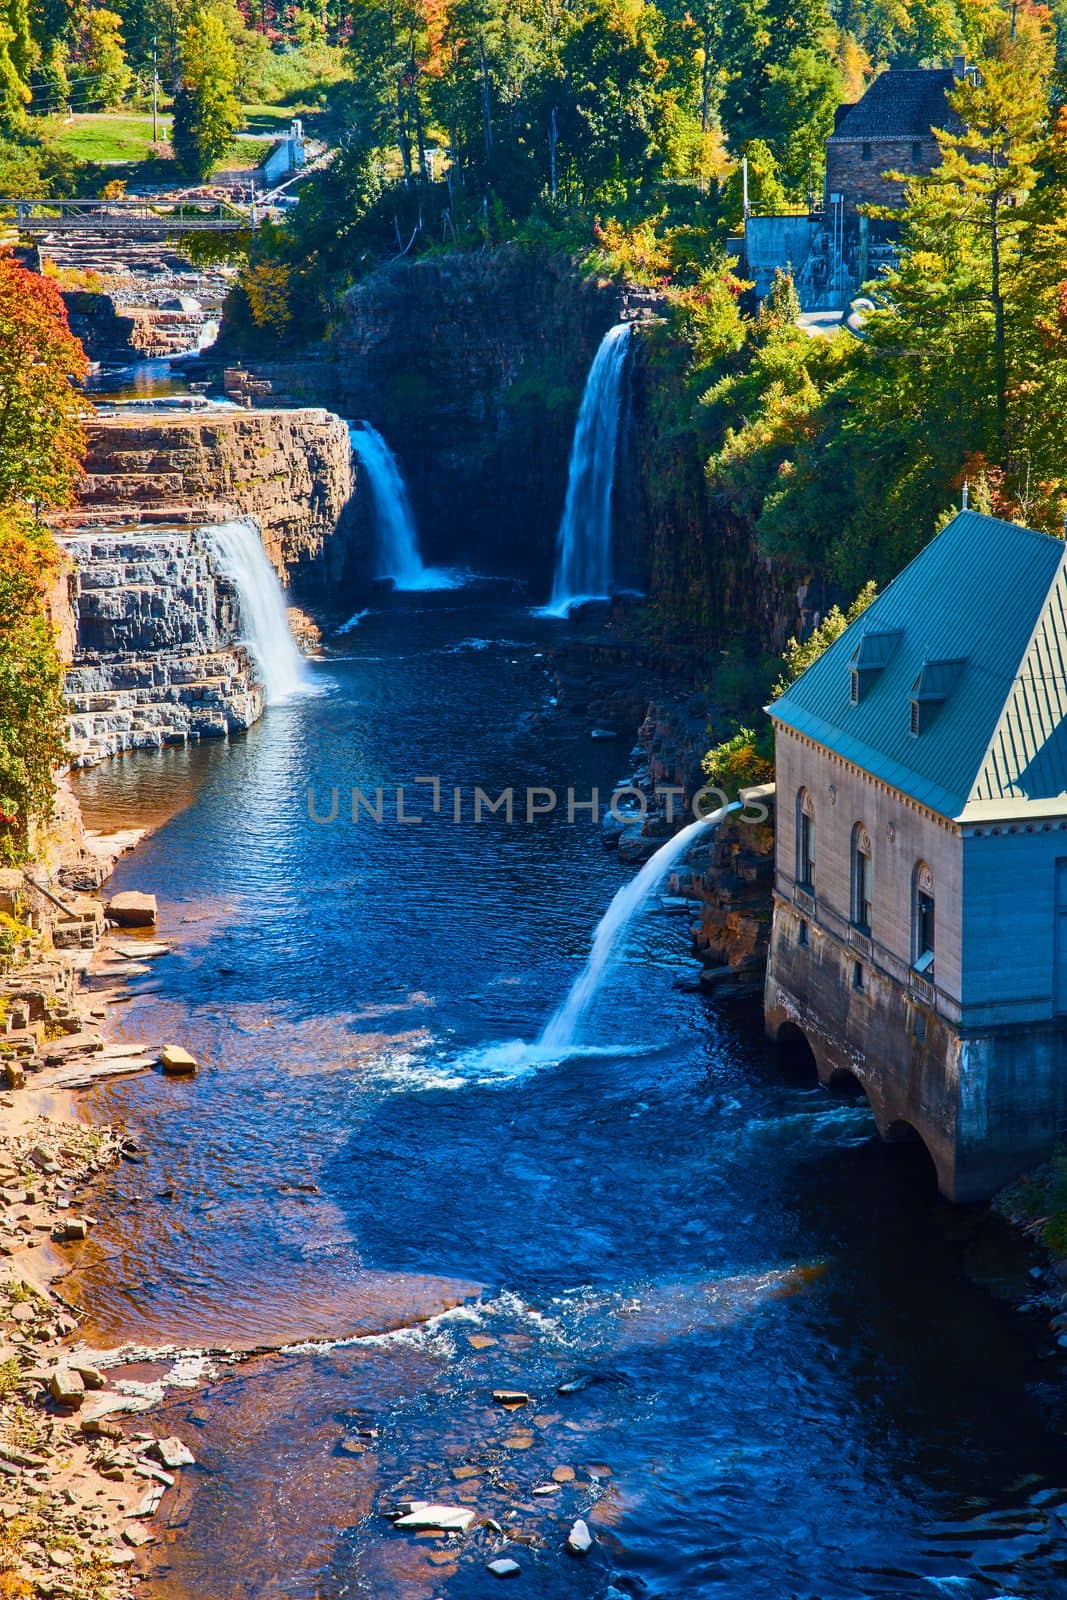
41, 444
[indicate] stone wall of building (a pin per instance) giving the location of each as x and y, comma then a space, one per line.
863, 182
902, 835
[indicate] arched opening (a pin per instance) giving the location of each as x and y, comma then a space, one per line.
910, 1149
845, 1085
795, 1053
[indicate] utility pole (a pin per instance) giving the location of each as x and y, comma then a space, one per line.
155, 94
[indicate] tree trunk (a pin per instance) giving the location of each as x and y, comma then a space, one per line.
403, 137
487, 104
1000, 360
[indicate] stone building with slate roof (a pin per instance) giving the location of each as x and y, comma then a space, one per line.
919, 939
889, 130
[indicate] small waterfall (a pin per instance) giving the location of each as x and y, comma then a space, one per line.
398, 540
583, 544
560, 1034
239, 553
207, 336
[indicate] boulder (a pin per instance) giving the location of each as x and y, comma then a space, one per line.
131, 909
66, 1388
171, 1453
176, 1062
504, 1568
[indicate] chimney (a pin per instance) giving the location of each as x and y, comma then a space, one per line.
959, 66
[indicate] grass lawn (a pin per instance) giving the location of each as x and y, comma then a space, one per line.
103, 136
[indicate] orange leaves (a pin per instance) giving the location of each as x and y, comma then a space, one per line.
41, 440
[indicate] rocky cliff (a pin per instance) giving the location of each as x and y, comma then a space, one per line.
290, 470
473, 366
707, 575
156, 660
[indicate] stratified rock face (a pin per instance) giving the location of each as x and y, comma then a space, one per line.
473, 368
157, 660
290, 470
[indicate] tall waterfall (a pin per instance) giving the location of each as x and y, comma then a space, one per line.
238, 550
583, 544
561, 1032
398, 541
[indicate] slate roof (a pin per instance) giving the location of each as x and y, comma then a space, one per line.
900, 104
982, 619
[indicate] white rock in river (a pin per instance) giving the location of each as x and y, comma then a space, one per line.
504, 1568
450, 1518
579, 1540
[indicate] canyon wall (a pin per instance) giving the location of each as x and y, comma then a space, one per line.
706, 573
148, 622
473, 366
156, 659
290, 470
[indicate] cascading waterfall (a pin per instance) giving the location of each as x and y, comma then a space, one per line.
583, 544
561, 1032
398, 540
238, 550
207, 336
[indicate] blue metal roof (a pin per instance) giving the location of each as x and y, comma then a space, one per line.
990, 598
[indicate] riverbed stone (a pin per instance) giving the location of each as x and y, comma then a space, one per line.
511, 1397
504, 1567
176, 1062
452, 1519
132, 909
66, 1388
579, 1540
171, 1453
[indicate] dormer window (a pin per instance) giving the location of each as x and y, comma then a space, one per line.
931, 689
873, 653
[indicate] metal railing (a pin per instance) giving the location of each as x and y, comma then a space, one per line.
151, 216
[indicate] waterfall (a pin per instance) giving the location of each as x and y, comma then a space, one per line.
398, 540
560, 1034
207, 336
238, 551
583, 544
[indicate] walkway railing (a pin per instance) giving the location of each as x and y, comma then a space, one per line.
135, 216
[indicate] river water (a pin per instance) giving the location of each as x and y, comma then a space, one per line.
794, 1381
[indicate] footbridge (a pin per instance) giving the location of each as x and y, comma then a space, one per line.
154, 217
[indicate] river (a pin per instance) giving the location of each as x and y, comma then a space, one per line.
793, 1381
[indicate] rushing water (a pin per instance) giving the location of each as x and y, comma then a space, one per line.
609, 941
584, 560
398, 556
239, 553
789, 1381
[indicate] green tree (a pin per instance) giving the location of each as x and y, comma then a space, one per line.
102, 57
206, 111
14, 95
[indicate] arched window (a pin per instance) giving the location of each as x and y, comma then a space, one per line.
862, 879
923, 920
806, 841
